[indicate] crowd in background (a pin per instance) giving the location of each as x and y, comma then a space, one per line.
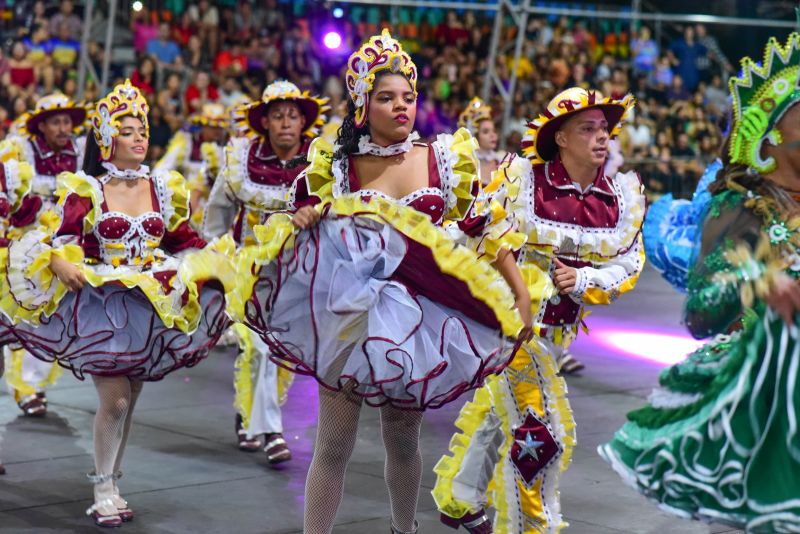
188, 53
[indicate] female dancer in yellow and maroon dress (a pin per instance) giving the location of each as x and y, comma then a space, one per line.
104, 294
372, 297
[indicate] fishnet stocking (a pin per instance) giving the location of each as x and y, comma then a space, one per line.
110, 421
336, 437
136, 388
403, 468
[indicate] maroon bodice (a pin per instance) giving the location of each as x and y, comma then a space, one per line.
428, 200
117, 225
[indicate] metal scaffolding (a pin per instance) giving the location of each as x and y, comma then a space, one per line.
519, 10
85, 66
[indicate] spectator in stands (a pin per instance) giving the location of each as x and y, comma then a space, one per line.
40, 48
144, 29
164, 50
230, 92
645, 52
688, 57
66, 16
64, 50
231, 60
21, 78
716, 96
196, 56
715, 53
170, 101
200, 92
206, 18
638, 134
245, 22
34, 18
677, 90
144, 76
160, 133
183, 30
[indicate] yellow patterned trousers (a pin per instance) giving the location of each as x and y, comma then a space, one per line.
516, 439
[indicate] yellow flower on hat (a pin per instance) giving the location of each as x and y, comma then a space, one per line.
539, 144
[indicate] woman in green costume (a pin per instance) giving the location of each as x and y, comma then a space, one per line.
719, 439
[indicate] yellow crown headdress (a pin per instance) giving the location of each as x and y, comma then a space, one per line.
313, 108
123, 100
475, 112
381, 52
48, 106
539, 144
762, 93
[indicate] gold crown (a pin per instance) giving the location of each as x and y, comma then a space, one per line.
762, 93
475, 112
123, 100
381, 52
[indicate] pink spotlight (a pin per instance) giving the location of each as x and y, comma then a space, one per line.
332, 40
664, 349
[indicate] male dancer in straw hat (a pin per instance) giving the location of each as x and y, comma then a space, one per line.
259, 166
584, 247
46, 140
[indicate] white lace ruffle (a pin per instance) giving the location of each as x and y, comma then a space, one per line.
143, 172
367, 147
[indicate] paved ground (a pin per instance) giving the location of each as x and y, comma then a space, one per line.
184, 474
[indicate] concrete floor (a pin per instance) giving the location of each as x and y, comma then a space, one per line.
183, 472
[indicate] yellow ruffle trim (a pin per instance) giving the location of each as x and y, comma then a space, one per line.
34, 292
178, 197
469, 419
243, 378
19, 175
14, 361
461, 150
483, 281
243, 373
491, 397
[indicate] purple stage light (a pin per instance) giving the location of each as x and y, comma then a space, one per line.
332, 40
664, 349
